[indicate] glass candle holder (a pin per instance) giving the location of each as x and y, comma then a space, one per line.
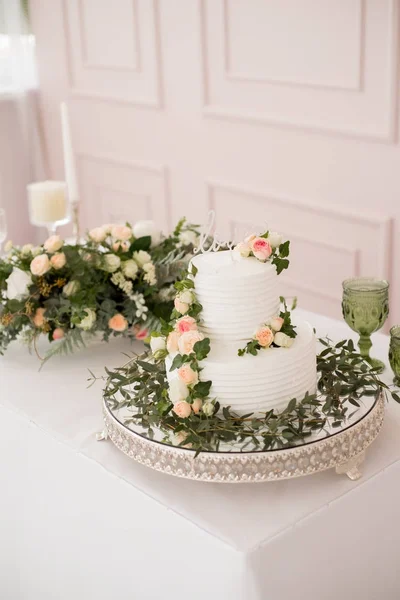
48, 205
394, 352
365, 307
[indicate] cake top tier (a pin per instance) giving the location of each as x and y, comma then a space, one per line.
237, 294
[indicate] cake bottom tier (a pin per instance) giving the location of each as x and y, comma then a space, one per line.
259, 383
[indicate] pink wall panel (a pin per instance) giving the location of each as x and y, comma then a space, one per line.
271, 111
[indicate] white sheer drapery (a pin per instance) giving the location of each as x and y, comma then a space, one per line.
22, 156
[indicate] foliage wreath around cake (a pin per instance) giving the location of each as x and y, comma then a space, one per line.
117, 282
188, 416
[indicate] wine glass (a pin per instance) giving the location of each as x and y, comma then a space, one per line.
365, 307
3, 227
394, 352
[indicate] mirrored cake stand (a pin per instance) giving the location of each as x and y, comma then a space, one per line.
341, 448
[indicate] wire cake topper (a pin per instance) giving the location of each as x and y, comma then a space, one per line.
209, 240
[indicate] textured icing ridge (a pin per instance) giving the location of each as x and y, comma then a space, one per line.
237, 294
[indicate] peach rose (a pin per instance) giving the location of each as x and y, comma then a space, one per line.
276, 323
181, 307
125, 246
261, 248
98, 234
40, 265
58, 260
116, 246
182, 409
185, 324
121, 232
196, 405
188, 375
264, 336
172, 342
187, 341
118, 323
58, 333
53, 243
38, 319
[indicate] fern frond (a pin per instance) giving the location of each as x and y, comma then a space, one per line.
71, 342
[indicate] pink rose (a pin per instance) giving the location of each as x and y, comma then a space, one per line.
40, 265
185, 324
172, 342
141, 334
121, 232
261, 248
276, 323
58, 333
38, 319
182, 409
196, 405
181, 307
187, 374
53, 243
264, 336
58, 260
187, 341
118, 323
98, 234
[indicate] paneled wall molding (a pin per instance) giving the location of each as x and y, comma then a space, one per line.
341, 108
133, 75
117, 188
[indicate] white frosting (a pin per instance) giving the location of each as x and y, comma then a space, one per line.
237, 294
259, 383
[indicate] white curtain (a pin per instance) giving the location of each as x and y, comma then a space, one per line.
22, 152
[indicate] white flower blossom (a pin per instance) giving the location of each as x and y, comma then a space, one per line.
87, 322
18, 284
141, 257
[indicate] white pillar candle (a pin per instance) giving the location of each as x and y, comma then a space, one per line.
69, 160
47, 202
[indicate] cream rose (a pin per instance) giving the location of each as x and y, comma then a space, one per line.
178, 391
40, 265
264, 336
121, 232
283, 340
276, 323
38, 318
71, 287
182, 409
26, 249
275, 239
58, 333
185, 324
129, 268
18, 284
157, 343
87, 322
186, 297
187, 341
118, 323
196, 405
141, 257
147, 228
261, 248
208, 408
172, 342
98, 234
8, 246
243, 249
58, 260
53, 243
180, 306
111, 263
188, 375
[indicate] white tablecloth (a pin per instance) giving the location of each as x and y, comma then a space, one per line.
79, 520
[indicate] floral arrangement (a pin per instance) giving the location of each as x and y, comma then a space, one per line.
266, 247
278, 332
117, 282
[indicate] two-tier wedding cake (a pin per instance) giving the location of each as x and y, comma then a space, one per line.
253, 365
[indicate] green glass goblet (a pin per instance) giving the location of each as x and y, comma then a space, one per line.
365, 307
394, 352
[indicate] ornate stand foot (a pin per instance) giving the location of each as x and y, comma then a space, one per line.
102, 435
352, 467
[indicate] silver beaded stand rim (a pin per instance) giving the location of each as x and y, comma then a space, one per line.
344, 450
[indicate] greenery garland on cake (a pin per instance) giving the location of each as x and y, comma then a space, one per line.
189, 417
118, 282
